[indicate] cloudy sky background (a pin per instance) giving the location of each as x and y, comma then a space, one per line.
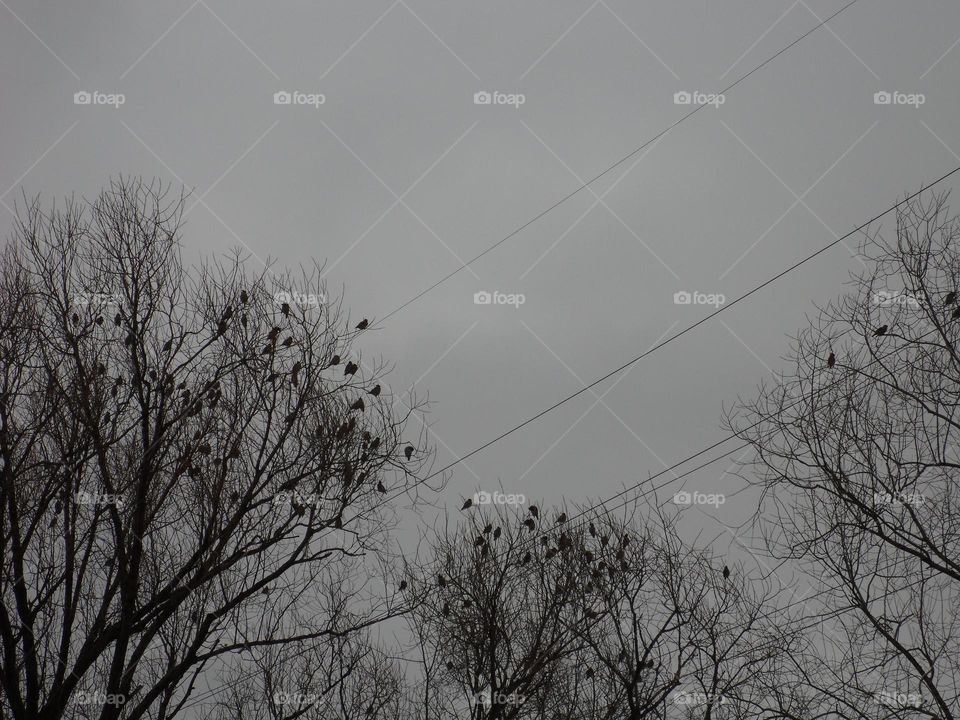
399, 178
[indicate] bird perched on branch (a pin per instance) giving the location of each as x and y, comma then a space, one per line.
363, 324
350, 368
408, 451
831, 360
726, 572
467, 504
880, 331
375, 391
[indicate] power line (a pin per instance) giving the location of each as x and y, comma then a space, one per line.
687, 329
615, 165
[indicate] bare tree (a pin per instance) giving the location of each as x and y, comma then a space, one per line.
529, 614
191, 459
857, 452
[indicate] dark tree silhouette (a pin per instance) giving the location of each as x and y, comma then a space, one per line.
858, 457
184, 488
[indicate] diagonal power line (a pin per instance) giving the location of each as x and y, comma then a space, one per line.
615, 165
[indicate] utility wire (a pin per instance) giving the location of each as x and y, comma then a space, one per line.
615, 165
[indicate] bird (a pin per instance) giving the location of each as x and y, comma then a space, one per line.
375, 391
496, 534
380, 488
167, 345
76, 319
534, 511
362, 325
403, 584
273, 334
593, 530
488, 528
526, 558
951, 298
117, 319
562, 518
295, 372
357, 405
530, 523
288, 342
882, 330
285, 309
479, 541
589, 673
244, 296
441, 581
831, 360
446, 609
335, 360
955, 314
350, 368
468, 503
726, 572
408, 451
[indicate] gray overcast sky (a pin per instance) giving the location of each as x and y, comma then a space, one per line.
399, 177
